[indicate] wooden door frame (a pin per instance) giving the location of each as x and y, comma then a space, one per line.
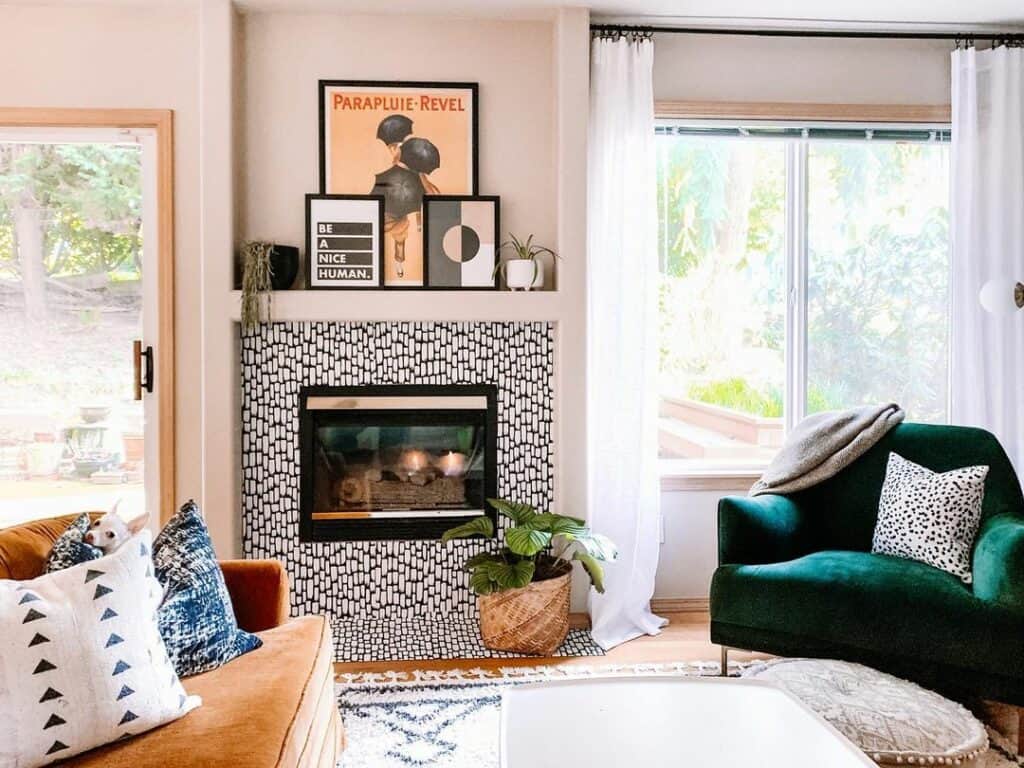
161, 121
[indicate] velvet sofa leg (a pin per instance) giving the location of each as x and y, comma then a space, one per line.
724, 671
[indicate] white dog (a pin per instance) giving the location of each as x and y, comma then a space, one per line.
111, 531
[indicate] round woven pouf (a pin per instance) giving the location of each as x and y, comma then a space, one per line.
894, 721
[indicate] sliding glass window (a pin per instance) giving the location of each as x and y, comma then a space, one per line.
804, 267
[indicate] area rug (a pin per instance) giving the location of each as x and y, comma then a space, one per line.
370, 640
428, 719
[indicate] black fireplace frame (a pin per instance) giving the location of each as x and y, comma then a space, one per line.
398, 528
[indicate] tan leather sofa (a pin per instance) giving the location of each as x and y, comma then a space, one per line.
271, 708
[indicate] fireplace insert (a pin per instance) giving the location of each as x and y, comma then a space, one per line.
395, 462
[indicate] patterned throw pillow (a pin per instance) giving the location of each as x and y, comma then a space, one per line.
82, 662
931, 517
69, 549
196, 618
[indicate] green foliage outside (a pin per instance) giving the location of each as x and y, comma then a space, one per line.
70, 274
738, 394
84, 198
877, 273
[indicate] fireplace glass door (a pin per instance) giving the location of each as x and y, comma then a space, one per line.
394, 462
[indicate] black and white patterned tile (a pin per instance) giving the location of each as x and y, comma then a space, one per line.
367, 640
396, 584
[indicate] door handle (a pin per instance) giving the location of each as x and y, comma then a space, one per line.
143, 363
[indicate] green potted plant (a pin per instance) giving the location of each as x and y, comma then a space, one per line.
523, 586
523, 270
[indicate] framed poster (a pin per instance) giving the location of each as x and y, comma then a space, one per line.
460, 237
402, 140
344, 241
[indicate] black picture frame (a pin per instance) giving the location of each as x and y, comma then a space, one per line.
323, 85
378, 283
433, 199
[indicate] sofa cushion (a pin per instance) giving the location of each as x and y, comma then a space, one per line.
197, 620
273, 707
882, 604
930, 516
83, 663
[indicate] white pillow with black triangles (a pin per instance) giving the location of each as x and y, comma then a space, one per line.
930, 516
81, 659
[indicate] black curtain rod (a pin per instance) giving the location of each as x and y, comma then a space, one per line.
838, 33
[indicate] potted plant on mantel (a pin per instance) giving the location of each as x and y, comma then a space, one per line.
523, 270
523, 588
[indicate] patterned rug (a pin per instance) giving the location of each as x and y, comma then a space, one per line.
368, 640
450, 718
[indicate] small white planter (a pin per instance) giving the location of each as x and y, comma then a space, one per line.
519, 274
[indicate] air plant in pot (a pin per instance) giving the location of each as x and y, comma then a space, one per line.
523, 270
265, 267
523, 587
256, 275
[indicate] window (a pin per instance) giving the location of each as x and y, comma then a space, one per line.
74, 205
803, 268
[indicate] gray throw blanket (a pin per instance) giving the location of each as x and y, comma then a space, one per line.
822, 445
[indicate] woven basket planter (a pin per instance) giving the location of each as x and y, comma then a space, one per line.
533, 619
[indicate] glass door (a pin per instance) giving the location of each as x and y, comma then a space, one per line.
77, 317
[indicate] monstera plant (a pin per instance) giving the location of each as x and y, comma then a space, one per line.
523, 586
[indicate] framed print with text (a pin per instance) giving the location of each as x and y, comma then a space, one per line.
344, 241
403, 141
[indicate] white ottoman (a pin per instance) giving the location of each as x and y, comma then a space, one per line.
894, 721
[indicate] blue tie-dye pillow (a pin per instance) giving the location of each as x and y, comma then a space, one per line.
196, 618
69, 549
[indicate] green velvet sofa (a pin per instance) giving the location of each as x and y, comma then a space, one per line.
796, 576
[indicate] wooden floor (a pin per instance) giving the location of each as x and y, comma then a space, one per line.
686, 638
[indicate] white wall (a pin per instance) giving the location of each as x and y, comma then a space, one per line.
125, 57
745, 69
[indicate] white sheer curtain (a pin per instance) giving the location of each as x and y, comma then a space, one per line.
621, 311
987, 235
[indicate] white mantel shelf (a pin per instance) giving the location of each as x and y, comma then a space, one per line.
480, 306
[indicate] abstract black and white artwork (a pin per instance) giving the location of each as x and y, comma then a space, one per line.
460, 236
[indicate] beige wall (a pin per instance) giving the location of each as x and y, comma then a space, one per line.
123, 57
286, 54
743, 68
738, 69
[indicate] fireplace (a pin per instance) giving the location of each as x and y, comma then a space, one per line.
395, 462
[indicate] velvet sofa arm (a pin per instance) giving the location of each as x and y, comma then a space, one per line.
753, 530
999, 562
259, 592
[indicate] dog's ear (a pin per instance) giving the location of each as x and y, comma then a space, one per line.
137, 524
117, 504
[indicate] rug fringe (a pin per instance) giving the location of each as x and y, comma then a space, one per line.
543, 672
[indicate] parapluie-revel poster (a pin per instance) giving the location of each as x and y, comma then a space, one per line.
402, 140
